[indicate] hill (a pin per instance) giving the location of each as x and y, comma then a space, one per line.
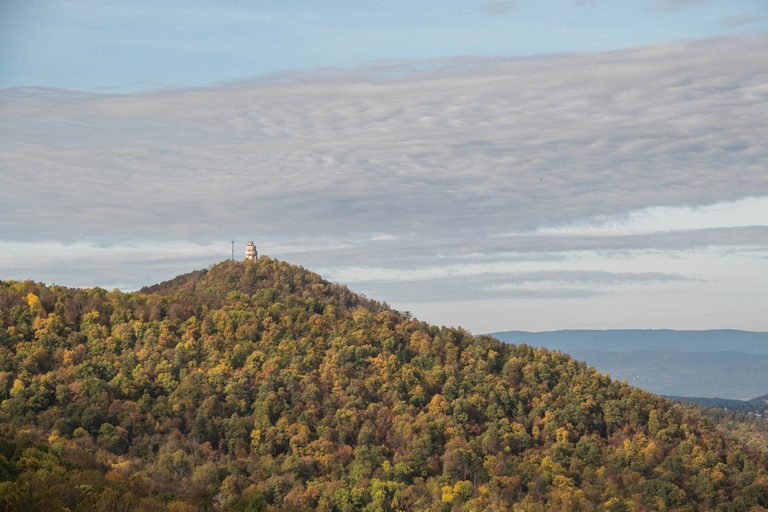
261, 386
745, 420
734, 375
718, 363
726, 404
757, 406
749, 429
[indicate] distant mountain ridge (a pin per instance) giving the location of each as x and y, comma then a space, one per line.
722, 363
626, 340
736, 375
724, 403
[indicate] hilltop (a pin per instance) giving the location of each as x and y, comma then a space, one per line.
261, 386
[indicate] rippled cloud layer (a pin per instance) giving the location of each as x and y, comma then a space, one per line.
402, 166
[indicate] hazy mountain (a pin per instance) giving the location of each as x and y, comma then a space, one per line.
632, 340
717, 363
734, 375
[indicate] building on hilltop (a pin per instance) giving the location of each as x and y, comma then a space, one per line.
250, 252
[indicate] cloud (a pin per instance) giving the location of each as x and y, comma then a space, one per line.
586, 4
676, 5
496, 8
438, 149
528, 285
741, 20
409, 257
84, 264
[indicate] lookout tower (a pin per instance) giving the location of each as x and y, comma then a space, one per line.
250, 252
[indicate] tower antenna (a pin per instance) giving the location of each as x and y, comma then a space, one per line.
233, 250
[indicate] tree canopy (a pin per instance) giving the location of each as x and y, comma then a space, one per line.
255, 386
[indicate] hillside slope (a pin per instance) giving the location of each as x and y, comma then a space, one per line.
751, 431
260, 386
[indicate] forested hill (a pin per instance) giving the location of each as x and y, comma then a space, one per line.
260, 386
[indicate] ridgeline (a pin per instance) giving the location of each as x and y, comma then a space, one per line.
255, 386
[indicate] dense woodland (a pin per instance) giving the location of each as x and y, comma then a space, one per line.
756, 407
749, 430
258, 386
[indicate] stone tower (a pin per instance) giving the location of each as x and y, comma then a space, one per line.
250, 252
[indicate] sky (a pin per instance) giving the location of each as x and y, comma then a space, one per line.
504, 165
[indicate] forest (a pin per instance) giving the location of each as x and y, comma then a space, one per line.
259, 386
749, 430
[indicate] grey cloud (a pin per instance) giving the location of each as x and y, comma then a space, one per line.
434, 149
105, 268
496, 8
421, 253
526, 285
674, 5
663, 241
741, 20
586, 4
